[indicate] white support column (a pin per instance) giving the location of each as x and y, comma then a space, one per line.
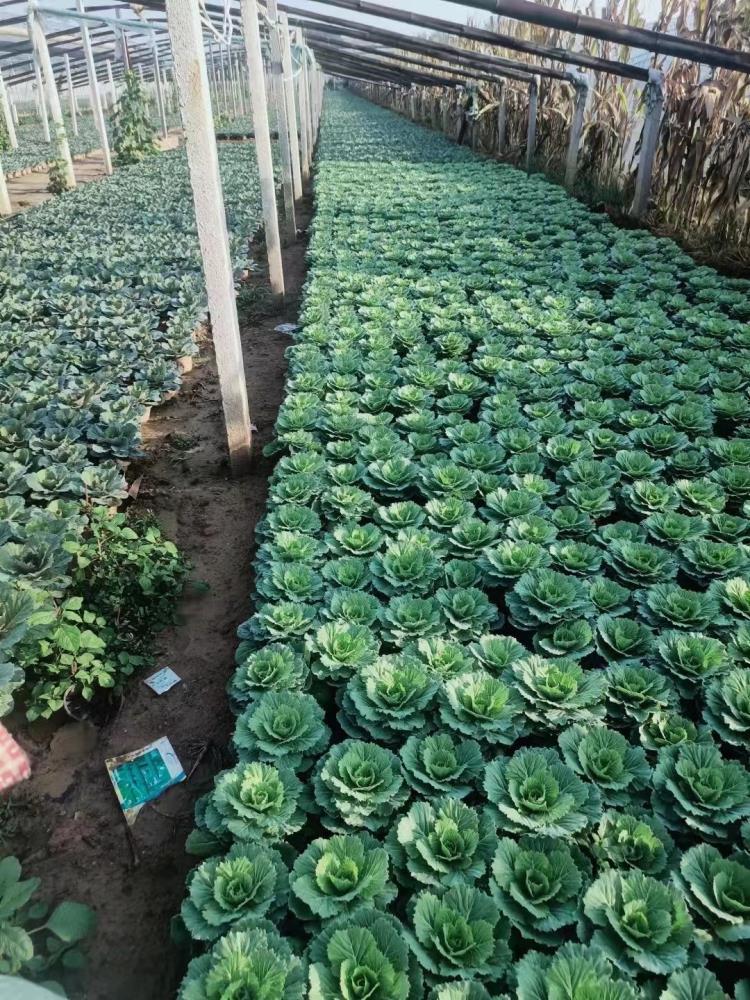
112, 87
304, 134
654, 98
96, 104
531, 130
5, 206
581, 96
502, 113
41, 53
212, 76
71, 96
159, 93
277, 74
232, 84
186, 33
291, 104
41, 99
123, 43
259, 107
241, 84
167, 92
10, 125
310, 102
14, 112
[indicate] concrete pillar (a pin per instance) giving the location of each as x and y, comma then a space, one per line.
186, 33
654, 98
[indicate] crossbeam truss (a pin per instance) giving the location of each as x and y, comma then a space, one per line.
223, 49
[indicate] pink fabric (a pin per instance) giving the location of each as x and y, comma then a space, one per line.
14, 764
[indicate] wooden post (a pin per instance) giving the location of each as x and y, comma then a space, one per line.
282, 127
5, 206
41, 52
581, 87
112, 87
71, 96
502, 113
291, 105
10, 125
42, 102
96, 104
531, 130
654, 97
259, 108
186, 34
159, 92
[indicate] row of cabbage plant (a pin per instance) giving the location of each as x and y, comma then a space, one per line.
493, 705
100, 295
34, 152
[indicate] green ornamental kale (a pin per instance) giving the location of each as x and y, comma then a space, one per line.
695, 785
442, 843
458, 932
717, 892
572, 972
534, 792
275, 667
558, 692
387, 699
606, 759
340, 874
536, 882
253, 802
283, 726
640, 924
545, 597
442, 764
694, 984
255, 961
359, 784
483, 707
727, 709
632, 839
363, 956
251, 880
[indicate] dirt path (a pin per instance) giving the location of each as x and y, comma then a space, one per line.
70, 828
29, 190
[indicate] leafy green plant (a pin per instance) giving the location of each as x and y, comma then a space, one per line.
359, 784
534, 792
536, 883
255, 958
363, 953
250, 880
639, 923
458, 932
340, 874
716, 890
63, 927
442, 843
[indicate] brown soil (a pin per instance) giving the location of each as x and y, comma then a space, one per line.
29, 190
69, 828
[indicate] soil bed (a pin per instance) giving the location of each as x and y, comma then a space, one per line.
65, 823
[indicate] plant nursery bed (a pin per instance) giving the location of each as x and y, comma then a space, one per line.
67, 826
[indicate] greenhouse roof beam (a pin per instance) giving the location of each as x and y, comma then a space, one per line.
447, 53
486, 36
338, 42
660, 43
